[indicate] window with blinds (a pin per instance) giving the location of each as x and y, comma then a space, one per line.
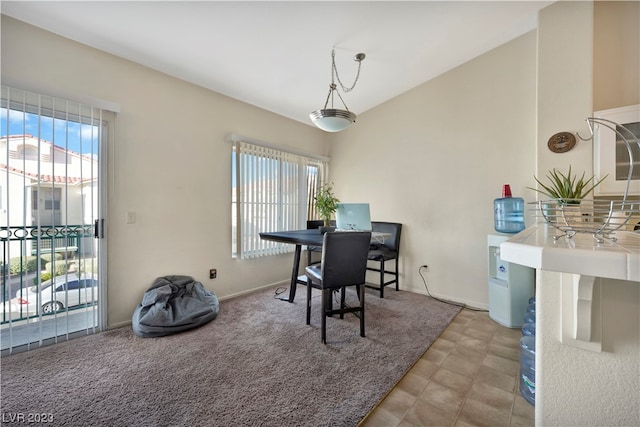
272, 190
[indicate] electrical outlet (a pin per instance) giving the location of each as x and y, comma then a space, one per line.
213, 273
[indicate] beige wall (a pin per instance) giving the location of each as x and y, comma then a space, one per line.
437, 156
616, 50
170, 164
565, 78
592, 67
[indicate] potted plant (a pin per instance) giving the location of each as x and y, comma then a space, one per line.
567, 189
326, 205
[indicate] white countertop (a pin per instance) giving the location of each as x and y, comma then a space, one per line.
535, 247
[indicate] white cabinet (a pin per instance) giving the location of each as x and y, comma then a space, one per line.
510, 286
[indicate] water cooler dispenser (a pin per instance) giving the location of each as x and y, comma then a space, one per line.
510, 286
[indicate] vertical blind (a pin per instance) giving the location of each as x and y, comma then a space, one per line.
272, 191
49, 169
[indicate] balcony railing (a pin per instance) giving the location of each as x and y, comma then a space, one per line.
26, 250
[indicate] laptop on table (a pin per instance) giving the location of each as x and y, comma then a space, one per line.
353, 217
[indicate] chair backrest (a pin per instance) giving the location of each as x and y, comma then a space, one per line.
315, 223
394, 228
344, 258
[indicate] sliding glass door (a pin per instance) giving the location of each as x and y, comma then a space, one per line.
51, 204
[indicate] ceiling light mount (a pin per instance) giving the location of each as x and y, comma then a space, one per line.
332, 119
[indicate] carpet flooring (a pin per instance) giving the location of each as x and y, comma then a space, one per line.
256, 364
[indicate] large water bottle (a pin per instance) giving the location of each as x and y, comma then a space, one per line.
530, 317
528, 368
508, 212
529, 329
531, 308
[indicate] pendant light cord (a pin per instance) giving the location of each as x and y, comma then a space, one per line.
334, 71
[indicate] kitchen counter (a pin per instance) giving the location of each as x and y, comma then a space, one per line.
586, 264
587, 325
535, 247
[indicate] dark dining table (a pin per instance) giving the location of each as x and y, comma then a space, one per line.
307, 237
311, 237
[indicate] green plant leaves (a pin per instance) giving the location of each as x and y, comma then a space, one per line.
326, 202
567, 187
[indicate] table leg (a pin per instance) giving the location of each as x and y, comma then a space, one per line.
294, 273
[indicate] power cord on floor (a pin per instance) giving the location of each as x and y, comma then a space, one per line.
424, 280
280, 290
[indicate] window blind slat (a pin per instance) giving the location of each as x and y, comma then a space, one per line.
272, 193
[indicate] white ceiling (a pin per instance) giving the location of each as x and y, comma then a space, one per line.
277, 55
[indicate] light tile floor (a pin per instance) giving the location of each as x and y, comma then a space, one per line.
468, 377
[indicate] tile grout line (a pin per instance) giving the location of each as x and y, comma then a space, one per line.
475, 376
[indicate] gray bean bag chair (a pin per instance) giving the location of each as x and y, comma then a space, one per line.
174, 304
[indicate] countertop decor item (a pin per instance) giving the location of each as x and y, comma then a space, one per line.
567, 188
568, 211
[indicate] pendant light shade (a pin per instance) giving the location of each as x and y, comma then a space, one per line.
333, 119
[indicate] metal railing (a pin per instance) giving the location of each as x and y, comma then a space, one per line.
25, 252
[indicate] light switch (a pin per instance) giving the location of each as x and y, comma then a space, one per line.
131, 217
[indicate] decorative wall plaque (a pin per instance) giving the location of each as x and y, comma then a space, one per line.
562, 142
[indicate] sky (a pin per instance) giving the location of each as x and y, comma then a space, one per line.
68, 134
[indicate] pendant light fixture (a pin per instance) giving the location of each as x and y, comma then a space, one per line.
333, 119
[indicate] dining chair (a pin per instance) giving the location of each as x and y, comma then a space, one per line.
381, 253
344, 263
313, 224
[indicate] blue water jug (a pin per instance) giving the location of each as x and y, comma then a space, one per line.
527, 384
508, 212
530, 317
529, 329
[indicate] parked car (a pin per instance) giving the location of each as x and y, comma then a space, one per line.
61, 292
